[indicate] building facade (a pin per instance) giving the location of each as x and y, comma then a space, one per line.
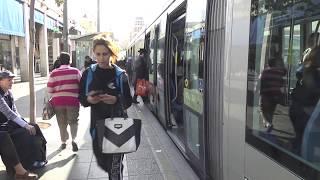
14, 36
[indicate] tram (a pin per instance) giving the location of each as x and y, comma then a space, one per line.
224, 83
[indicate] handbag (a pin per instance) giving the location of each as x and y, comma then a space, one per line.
142, 87
121, 134
47, 111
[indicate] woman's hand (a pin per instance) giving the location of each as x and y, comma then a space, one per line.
93, 97
108, 99
31, 129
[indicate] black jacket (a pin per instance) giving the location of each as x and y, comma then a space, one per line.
101, 80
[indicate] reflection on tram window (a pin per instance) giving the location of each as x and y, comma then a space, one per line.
283, 108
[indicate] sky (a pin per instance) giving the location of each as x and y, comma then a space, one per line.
117, 15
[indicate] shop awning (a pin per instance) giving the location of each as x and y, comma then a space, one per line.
51, 23
38, 17
11, 18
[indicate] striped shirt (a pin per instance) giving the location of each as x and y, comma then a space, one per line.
63, 85
273, 81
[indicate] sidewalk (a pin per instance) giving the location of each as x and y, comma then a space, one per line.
157, 157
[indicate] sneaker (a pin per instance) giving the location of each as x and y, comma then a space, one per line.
63, 146
39, 164
74, 147
26, 176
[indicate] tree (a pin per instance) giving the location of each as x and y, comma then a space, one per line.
65, 26
31, 62
65, 23
59, 2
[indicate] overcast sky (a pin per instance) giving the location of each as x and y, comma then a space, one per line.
117, 15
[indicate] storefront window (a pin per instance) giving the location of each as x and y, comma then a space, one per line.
5, 53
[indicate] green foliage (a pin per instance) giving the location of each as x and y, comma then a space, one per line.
59, 2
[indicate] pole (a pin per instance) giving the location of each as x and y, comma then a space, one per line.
65, 27
98, 15
31, 62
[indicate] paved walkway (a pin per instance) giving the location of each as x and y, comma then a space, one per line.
157, 157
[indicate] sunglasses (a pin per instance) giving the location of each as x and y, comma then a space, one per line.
103, 54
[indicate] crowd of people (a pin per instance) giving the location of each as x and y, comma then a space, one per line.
23, 146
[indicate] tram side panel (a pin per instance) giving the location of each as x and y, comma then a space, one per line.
235, 85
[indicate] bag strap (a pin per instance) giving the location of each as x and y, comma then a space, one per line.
317, 36
91, 70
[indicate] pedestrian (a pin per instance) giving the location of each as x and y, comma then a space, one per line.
27, 137
11, 160
88, 61
57, 63
140, 70
272, 90
129, 68
100, 89
63, 86
305, 97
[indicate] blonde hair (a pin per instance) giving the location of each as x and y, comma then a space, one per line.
105, 40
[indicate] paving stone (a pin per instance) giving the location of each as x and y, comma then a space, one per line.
141, 153
154, 142
171, 176
155, 177
84, 156
79, 170
164, 162
96, 172
149, 130
140, 177
142, 167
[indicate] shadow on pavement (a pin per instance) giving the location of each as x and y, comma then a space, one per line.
53, 154
4, 176
23, 103
54, 165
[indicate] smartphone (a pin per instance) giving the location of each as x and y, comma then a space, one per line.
96, 93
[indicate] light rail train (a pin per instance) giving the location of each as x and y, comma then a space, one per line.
230, 82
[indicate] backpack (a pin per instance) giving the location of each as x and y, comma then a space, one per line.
92, 69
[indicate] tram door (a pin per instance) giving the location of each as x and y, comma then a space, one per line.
176, 78
152, 66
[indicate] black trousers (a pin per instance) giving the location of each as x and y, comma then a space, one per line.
111, 163
8, 151
30, 148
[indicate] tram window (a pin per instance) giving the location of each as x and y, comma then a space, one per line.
283, 106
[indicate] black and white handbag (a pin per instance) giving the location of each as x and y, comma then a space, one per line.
121, 135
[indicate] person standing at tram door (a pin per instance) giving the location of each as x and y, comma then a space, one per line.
140, 70
129, 68
272, 90
305, 96
63, 85
57, 63
87, 62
